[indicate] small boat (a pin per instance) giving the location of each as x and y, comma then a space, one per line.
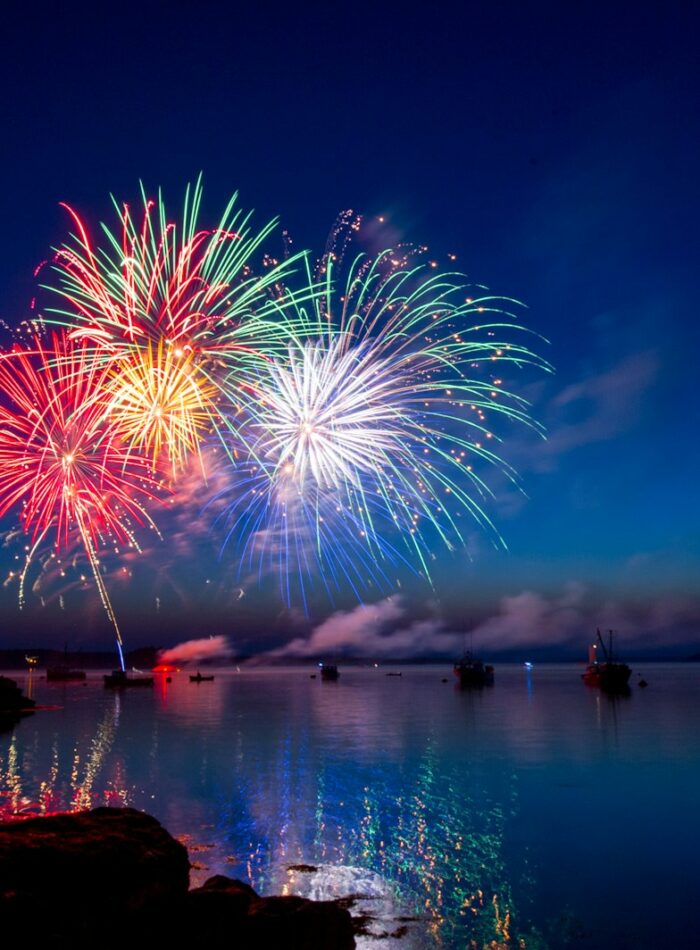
201, 679
62, 673
329, 672
119, 679
607, 673
473, 672
393, 674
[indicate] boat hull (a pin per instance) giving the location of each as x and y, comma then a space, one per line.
119, 680
60, 675
474, 675
608, 676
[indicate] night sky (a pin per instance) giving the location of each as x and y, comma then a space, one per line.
553, 148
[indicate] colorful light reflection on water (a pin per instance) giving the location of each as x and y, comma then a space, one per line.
520, 816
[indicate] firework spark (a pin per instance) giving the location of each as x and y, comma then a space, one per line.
371, 435
60, 462
180, 294
157, 400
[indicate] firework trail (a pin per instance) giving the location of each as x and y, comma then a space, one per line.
182, 298
370, 437
60, 462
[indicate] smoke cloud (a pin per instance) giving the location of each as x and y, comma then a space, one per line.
372, 630
526, 620
195, 651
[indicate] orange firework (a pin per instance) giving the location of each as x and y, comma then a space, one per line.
160, 404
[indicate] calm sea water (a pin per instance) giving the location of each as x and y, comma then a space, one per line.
537, 813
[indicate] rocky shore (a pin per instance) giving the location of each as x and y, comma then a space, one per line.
13, 704
115, 876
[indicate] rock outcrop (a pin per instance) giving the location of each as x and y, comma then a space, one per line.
115, 876
11, 698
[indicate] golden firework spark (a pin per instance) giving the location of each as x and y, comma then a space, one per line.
161, 403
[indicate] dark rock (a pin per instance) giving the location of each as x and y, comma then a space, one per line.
114, 876
231, 884
300, 924
220, 892
226, 912
81, 872
8, 720
11, 698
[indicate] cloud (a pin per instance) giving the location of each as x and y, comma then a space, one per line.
195, 651
346, 630
373, 630
531, 619
525, 620
594, 408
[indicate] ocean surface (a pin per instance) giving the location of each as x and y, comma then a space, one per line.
537, 813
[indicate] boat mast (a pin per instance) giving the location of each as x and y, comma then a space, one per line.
602, 643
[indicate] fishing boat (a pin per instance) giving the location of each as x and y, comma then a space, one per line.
62, 673
604, 670
119, 679
329, 672
471, 671
201, 679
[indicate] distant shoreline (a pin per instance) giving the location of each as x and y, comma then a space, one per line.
146, 658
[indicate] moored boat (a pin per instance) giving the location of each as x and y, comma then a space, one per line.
329, 671
64, 674
119, 679
471, 671
604, 671
201, 679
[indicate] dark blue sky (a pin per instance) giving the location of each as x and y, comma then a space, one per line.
554, 148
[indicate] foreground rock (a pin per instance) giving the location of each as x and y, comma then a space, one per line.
11, 698
13, 705
72, 874
228, 912
113, 875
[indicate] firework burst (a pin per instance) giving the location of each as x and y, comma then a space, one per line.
181, 295
373, 434
70, 474
160, 404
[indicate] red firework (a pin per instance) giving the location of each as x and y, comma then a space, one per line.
60, 461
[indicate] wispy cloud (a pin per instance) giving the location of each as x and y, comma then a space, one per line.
377, 630
525, 620
529, 618
591, 409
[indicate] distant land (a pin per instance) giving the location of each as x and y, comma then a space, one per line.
147, 657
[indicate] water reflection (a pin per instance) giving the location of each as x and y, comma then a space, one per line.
40, 780
455, 816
